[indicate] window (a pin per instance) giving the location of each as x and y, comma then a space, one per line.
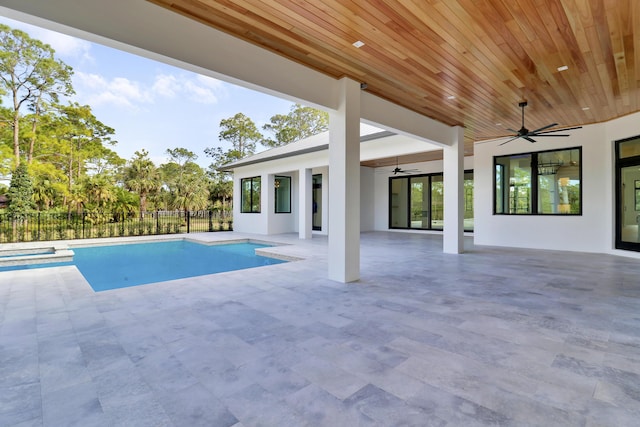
283, 194
437, 202
627, 179
250, 188
542, 183
417, 202
468, 201
399, 203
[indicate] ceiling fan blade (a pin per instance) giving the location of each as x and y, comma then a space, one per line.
492, 139
509, 140
560, 130
543, 128
529, 135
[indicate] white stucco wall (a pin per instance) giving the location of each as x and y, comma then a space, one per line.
593, 231
269, 222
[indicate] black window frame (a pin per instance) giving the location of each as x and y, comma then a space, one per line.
620, 163
252, 190
534, 183
276, 179
430, 200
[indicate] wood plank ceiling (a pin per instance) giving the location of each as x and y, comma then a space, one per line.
461, 62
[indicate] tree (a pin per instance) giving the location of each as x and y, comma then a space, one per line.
221, 188
185, 180
141, 176
76, 199
84, 137
242, 133
124, 204
20, 194
301, 122
99, 191
6, 160
49, 185
30, 75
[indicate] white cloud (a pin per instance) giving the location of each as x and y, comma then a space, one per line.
95, 90
129, 89
200, 94
93, 81
201, 89
67, 46
166, 85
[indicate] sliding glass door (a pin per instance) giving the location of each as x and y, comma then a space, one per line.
417, 201
628, 194
316, 222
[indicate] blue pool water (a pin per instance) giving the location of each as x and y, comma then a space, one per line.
121, 266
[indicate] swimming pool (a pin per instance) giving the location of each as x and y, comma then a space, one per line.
125, 265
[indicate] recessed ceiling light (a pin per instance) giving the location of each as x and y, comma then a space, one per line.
585, 108
358, 44
451, 97
563, 68
498, 124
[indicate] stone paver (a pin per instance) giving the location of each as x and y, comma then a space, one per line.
495, 336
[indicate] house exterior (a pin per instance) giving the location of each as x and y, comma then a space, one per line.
273, 178
590, 177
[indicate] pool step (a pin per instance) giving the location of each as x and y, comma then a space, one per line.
35, 255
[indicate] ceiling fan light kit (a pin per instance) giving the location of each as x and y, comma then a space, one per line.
528, 135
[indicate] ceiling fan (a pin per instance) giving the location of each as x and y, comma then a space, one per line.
398, 170
527, 134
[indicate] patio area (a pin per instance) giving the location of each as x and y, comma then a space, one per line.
495, 336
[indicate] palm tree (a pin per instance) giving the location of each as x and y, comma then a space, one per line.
99, 190
44, 193
141, 176
185, 180
75, 200
124, 204
192, 192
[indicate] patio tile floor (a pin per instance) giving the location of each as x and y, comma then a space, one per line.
495, 336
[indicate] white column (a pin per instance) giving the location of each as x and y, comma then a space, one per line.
344, 185
305, 197
453, 234
267, 202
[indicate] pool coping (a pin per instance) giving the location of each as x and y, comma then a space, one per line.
35, 255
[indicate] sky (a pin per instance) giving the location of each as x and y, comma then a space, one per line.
152, 105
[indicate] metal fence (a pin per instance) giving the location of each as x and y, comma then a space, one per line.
44, 226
